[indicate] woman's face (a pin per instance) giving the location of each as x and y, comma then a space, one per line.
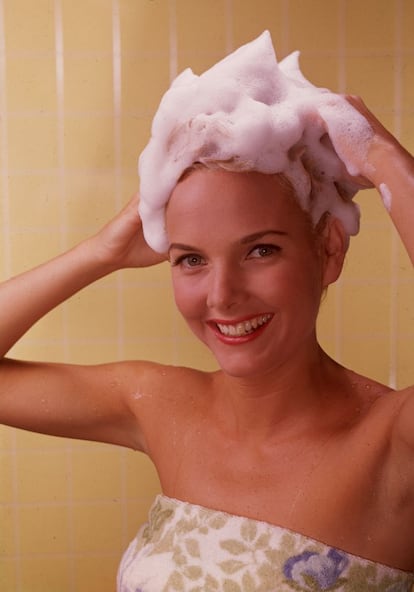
246, 271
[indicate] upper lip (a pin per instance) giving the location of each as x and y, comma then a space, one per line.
240, 320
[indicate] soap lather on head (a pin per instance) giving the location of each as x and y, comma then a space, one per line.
250, 113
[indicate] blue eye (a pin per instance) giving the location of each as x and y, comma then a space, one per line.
260, 251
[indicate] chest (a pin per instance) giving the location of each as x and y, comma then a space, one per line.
339, 491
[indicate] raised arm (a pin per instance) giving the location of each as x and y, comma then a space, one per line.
68, 400
390, 168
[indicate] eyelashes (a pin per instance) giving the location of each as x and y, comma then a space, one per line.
265, 250
189, 260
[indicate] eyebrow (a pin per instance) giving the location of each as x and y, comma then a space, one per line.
250, 238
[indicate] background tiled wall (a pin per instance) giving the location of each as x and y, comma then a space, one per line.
79, 83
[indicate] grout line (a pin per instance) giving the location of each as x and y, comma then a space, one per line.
117, 110
60, 90
60, 99
117, 114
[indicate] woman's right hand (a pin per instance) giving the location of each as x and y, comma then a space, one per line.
121, 243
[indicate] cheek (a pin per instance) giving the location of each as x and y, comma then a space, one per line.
187, 297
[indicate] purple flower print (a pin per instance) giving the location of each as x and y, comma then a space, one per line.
313, 571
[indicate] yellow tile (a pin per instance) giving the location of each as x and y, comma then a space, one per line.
93, 353
372, 211
376, 31
372, 78
89, 143
365, 262
148, 313
95, 574
250, 20
31, 84
45, 528
30, 26
97, 528
87, 26
8, 540
144, 27
144, 81
34, 201
407, 24
8, 574
92, 315
368, 356
201, 26
194, 354
313, 25
7, 462
198, 62
322, 71
88, 84
46, 574
32, 142
405, 361
37, 351
29, 248
407, 134
365, 310
141, 477
407, 83
135, 134
7, 437
42, 477
405, 315
160, 351
29, 441
96, 474
89, 203
137, 515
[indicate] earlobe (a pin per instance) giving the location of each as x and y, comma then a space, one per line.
335, 246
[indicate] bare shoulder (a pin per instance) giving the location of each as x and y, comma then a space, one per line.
164, 398
149, 379
404, 420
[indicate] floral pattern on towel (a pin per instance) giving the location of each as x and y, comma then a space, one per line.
188, 548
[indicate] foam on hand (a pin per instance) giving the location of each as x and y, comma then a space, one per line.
260, 115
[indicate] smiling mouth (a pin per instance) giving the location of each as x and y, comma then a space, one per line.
244, 327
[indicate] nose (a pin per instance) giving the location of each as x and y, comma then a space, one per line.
225, 288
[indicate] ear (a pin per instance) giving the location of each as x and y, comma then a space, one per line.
334, 246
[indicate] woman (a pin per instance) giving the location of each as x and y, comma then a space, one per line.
280, 471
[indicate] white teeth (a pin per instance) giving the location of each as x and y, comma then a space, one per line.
245, 327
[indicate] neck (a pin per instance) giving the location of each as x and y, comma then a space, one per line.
291, 397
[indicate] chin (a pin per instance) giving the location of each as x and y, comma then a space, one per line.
238, 365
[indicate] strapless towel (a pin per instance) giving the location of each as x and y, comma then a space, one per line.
189, 548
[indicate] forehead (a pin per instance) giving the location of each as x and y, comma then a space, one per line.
215, 197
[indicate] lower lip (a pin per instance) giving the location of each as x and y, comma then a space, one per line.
238, 340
